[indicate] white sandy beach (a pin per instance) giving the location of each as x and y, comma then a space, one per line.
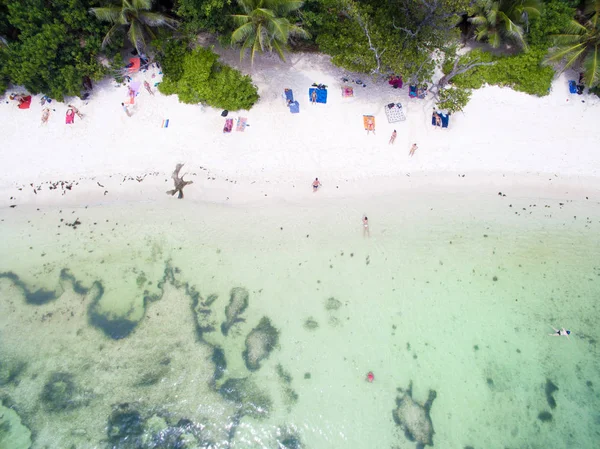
107, 156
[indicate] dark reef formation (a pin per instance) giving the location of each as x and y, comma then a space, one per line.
238, 303
414, 418
549, 390
249, 399
259, 343
60, 393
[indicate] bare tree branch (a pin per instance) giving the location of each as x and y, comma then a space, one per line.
179, 182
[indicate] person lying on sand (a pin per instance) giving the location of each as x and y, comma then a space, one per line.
413, 149
148, 88
79, 114
45, 115
560, 332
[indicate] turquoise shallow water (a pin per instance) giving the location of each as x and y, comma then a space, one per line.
111, 330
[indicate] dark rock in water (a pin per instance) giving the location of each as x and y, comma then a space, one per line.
290, 442
550, 389
13, 433
311, 324
124, 424
283, 375
307, 375
218, 358
249, 398
60, 393
415, 418
37, 297
545, 416
238, 302
332, 304
259, 343
11, 370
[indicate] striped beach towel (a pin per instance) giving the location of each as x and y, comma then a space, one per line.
241, 124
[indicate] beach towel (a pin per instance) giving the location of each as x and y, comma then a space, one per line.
321, 95
70, 117
572, 87
369, 122
294, 107
394, 112
228, 125
165, 123
289, 95
412, 91
134, 65
25, 103
241, 124
347, 91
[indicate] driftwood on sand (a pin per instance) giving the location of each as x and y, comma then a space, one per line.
179, 182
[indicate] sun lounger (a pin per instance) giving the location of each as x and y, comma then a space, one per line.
394, 112
445, 120
294, 107
241, 124
369, 122
289, 95
321, 94
572, 87
347, 91
228, 125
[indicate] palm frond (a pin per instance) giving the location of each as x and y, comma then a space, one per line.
478, 20
136, 36
242, 33
566, 39
108, 38
107, 14
142, 4
298, 32
240, 19
156, 19
592, 7
591, 67
278, 48
285, 7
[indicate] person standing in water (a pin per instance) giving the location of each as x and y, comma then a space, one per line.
365, 222
316, 184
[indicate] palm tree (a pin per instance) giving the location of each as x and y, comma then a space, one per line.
264, 27
499, 21
137, 17
580, 44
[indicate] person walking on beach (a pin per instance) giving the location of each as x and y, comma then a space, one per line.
393, 138
560, 332
124, 106
316, 184
365, 222
413, 149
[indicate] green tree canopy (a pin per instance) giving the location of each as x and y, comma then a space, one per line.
579, 44
264, 26
50, 46
136, 17
499, 21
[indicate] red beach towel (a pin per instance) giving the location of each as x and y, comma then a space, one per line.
25, 103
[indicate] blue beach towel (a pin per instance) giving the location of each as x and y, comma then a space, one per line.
321, 95
572, 87
289, 95
294, 107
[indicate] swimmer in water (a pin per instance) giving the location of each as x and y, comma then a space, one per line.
560, 332
370, 376
365, 222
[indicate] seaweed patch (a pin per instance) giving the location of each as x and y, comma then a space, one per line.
259, 343
238, 303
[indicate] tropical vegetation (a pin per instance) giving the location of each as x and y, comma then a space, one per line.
579, 44
53, 47
135, 15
